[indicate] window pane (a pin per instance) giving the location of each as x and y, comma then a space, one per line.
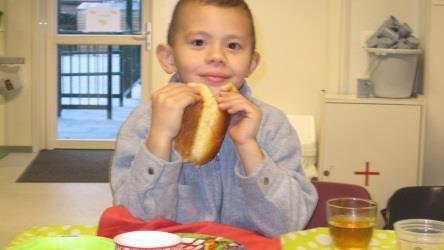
99, 85
93, 16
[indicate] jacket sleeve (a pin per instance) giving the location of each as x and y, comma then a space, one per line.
139, 180
279, 197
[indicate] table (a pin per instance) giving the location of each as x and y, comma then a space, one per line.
317, 238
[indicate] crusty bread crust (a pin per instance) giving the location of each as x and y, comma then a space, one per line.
203, 127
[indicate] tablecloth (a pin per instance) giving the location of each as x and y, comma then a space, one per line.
316, 238
319, 238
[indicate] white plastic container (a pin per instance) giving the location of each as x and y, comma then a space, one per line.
419, 234
306, 129
392, 71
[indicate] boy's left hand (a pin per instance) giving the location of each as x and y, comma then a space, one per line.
245, 122
246, 117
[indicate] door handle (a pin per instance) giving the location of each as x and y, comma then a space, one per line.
144, 35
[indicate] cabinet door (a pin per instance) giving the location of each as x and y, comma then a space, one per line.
385, 138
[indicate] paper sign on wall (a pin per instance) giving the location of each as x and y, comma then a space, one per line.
103, 20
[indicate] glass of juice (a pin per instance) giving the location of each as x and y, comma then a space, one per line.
351, 222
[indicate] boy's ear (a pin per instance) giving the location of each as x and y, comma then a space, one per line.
165, 56
255, 59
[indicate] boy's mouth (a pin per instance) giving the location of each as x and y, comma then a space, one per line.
215, 78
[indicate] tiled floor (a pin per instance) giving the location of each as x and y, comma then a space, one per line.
23, 205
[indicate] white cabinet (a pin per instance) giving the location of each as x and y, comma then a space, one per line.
373, 142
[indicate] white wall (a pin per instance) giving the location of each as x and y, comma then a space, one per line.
2, 121
18, 43
292, 39
161, 13
434, 92
2, 99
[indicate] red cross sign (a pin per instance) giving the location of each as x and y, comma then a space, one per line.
367, 173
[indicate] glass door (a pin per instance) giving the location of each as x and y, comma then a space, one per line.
97, 52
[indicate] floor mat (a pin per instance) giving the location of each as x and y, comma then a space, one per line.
69, 165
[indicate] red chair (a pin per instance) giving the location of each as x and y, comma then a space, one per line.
329, 190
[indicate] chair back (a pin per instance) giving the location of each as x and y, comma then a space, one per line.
330, 190
416, 202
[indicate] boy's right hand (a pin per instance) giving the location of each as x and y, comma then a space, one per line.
168, 105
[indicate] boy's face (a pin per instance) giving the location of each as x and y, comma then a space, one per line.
212, 45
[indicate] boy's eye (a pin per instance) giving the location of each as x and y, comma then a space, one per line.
234, 46
198, 42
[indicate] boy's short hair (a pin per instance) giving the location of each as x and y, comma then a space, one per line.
221, 3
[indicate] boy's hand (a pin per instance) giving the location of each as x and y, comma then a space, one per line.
245, 118
168, 105
245, 122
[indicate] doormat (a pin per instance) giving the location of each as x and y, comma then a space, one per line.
69, 165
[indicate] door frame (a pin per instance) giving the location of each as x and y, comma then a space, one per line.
52, 40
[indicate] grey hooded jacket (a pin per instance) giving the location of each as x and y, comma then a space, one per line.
275, 199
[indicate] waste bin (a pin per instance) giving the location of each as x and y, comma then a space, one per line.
392, 71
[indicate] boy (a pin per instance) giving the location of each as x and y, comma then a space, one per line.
256, 180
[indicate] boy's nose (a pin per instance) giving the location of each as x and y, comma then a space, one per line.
216, 54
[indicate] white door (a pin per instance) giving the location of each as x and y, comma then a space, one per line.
97, 69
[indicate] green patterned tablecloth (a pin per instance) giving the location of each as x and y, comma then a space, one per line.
317, 238
56, 230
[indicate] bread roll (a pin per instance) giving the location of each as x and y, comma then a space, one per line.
203, 127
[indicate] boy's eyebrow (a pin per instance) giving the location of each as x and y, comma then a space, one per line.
233, 36
203, 33
197, 33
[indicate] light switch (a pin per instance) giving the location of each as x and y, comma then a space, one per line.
438, 2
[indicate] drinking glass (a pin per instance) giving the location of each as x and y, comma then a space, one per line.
351, 222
